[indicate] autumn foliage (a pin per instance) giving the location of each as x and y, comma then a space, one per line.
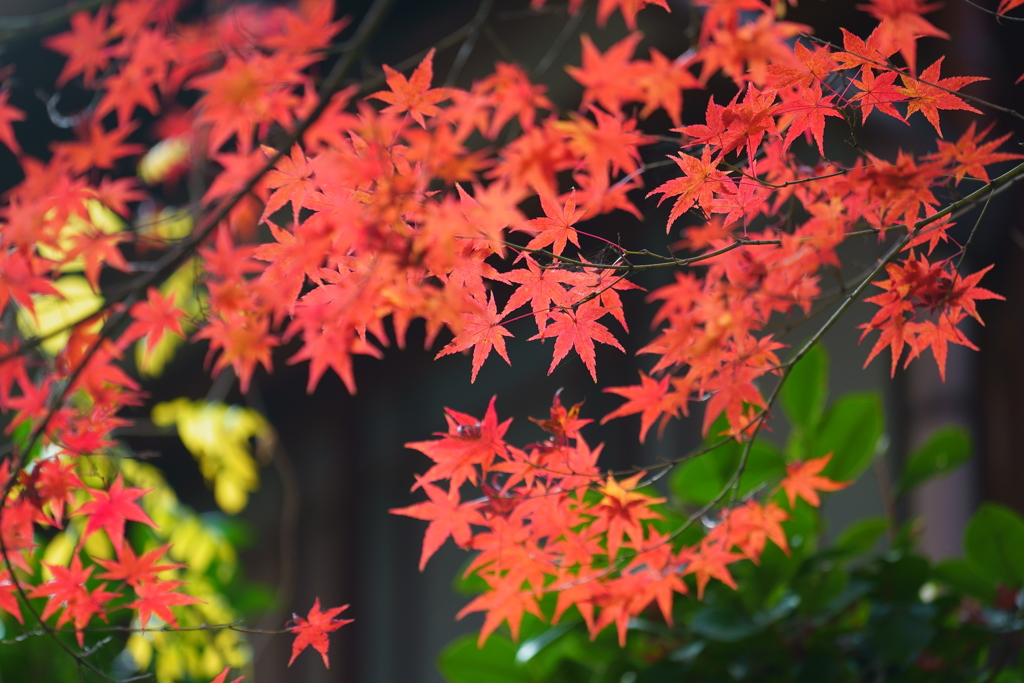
338, 217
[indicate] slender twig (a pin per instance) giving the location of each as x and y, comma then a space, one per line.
469, 43
18, 27
970, 237
558, 43
997, 15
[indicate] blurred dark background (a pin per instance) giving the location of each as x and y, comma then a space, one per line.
342, 464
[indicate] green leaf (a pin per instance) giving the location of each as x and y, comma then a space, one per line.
862, 536
806, 388
724, 624
961, 576
850, 431
20, 437
463, 662
900, 631
701, 480
994, 544
946, 450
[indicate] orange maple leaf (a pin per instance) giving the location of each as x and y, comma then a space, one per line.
652, 399
505, 602
711, 562
557, 227
802, 480
928, 93
447, 518
414, 94
971, 154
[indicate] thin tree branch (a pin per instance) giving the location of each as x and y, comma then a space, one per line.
18, 27
469, 43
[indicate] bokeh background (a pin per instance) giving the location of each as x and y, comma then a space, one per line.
319, 524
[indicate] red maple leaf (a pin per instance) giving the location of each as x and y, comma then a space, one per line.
97, 250
810, 109
314, 628
578, 329
469, 443
292, 176
542, 287
878, 92
9, 114
132, 86
135, 570
701, 180
153, 318
481, 331
447, 518
96, 148
85, 46
157, 597
55, 483
245, 340
629, 9
67, 591
223, 675
414, 94
115, 194
9, 596
607, 78
108, 510
870, 53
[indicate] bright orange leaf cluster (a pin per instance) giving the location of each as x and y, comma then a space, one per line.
549, 522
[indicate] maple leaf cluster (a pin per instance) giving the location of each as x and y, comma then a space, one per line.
338, 221
549, 522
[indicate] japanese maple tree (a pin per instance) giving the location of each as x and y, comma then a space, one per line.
335, 214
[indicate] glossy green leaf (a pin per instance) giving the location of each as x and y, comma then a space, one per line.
702, 479
946, 450
994, 544
806, 388
724, 624
862, 536
900, 631
464, 662
961, 576
850, 430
